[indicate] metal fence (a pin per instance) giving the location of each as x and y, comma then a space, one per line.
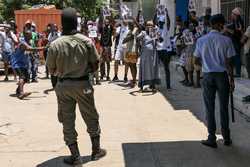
228, 5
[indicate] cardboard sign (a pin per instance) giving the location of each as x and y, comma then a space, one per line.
106, 11
92, 31
161, 10
192, 5
125, 11
188, 37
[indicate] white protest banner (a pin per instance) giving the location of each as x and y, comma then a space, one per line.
92, 29
125, 11
106, 11
188, 37
192, 5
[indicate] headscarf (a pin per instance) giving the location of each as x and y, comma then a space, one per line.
69, 21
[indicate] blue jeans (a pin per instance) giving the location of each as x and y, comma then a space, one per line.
212, 83
33, 66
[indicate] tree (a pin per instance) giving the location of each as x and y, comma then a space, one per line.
87, 8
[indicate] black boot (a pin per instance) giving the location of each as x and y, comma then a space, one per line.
97, 152
75, 158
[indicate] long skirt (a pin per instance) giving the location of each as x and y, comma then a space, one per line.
149, 68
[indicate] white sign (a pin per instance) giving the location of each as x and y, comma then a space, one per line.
106, 11
92, 31
125, 11
188, 37
192, 5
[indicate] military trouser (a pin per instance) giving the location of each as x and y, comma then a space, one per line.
70, 93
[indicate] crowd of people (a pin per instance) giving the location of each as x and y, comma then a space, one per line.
208, 47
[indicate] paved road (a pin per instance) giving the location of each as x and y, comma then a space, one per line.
138, 130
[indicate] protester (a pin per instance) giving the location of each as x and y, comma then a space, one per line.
20, 62
149, 68
72, 58
106, 43
120, 51
164, 45
237, 21
131, 54
8, 40
246, 41
34, 57
215, 52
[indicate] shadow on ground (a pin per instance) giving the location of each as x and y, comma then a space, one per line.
183, 154
58, 162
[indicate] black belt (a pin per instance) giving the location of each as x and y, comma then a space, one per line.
83, 78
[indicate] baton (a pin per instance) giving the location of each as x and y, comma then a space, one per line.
232, 106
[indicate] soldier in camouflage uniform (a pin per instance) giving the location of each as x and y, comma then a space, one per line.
71, 58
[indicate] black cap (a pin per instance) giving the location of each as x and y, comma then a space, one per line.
218, 18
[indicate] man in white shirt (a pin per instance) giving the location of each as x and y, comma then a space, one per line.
7, 41
164, 46
120, 51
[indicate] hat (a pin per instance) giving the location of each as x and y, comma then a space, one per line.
149, 23
218, 18
28, 22
33, 24
237, 11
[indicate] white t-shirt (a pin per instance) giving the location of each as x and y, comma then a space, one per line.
247, 44
166, 43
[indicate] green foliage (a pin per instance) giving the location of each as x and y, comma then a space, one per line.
87, 8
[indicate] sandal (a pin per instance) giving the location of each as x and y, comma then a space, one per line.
23, 95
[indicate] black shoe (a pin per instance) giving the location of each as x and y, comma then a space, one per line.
209, 143
108, 79
189, 84
34, 81
125, 79
115, 78
183, 81
6, 79
98, 83
75, 158
101, 78
228, 142
97, 151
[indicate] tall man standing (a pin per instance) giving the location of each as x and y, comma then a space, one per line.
215, 51
71, 58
